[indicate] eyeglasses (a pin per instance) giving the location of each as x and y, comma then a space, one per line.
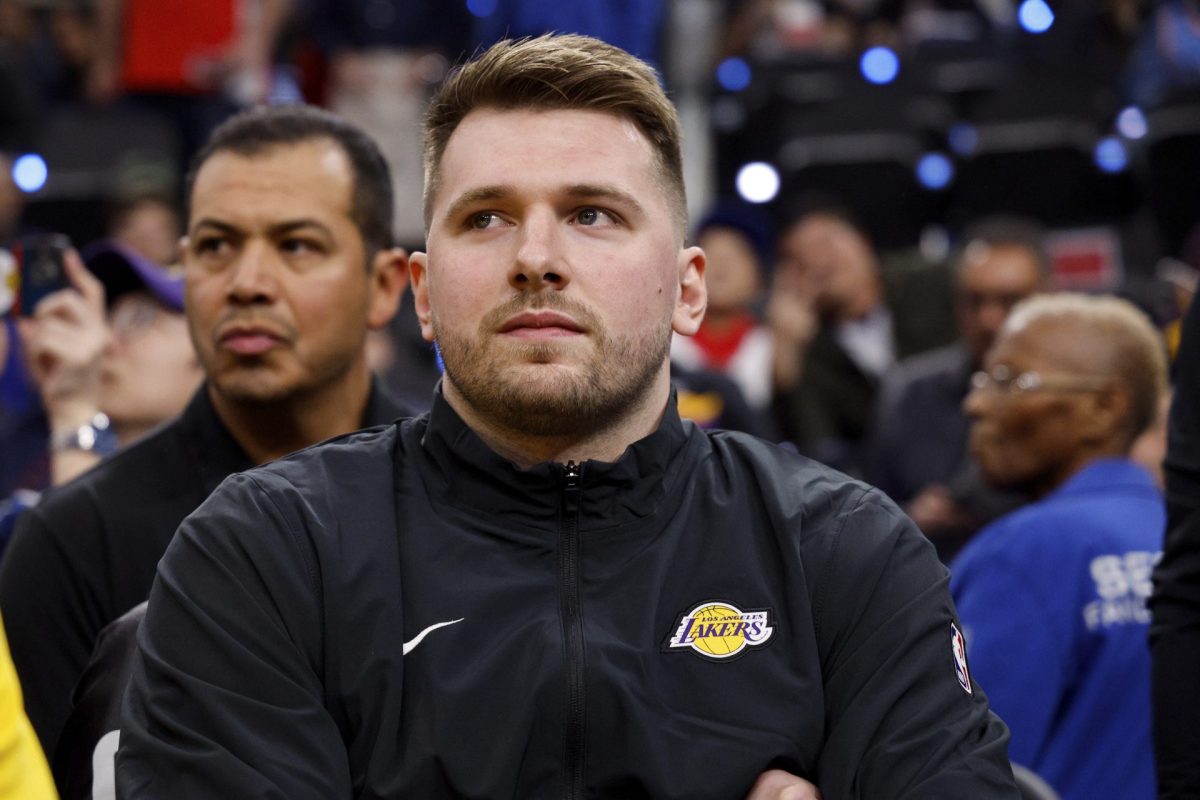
1004, 380
133, 313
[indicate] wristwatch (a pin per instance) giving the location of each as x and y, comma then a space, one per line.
95, 436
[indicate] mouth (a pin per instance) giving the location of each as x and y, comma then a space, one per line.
541, 325
249, 340
980, 442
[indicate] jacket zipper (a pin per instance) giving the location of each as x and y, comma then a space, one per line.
568, 577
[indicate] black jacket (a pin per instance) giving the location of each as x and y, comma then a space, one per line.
87, 552
540, 610
1175, 604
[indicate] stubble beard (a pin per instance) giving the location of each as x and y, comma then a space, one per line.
275, 378
556, 401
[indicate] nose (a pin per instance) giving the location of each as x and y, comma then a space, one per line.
254, 279
975, 403
539, 261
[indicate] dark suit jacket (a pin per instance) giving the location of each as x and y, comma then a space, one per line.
828, 414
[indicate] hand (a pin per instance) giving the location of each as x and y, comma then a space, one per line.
935, 511
793, 319
63, 341
775, 784
792, 310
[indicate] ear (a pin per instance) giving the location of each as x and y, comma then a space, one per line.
693, 293
388, 277
1106, 417
418, 267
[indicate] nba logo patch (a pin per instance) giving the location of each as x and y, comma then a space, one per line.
717, 630
958, 646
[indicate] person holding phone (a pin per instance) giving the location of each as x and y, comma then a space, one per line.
109, 353
108, 356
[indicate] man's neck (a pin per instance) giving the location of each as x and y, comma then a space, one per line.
129, 432
269, 430
605, 444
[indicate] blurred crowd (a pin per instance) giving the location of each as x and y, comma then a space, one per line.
888, 360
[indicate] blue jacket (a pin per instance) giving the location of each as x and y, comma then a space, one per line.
1053, 600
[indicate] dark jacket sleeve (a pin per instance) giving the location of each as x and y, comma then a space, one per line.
226, 694
900, 724
96, 712
1175, 604
52, 597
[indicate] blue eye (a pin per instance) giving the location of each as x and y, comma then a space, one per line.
593, 216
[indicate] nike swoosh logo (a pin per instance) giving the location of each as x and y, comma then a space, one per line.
416, 640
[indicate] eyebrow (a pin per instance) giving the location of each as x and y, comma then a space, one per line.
603, 190
207, 222
278, 229
581, 191
480, 195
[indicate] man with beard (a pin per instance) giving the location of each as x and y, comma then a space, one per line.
550, 585
287, 264
1054, 594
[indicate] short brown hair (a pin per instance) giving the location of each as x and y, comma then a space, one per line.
552, 73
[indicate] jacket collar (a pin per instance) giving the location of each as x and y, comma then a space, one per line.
464, 472
217, 454
382, 408
1105, 475
213, 449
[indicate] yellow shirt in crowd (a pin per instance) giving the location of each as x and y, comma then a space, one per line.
24, 774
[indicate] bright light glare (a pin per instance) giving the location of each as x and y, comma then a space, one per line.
758, 182
29, 172
1110, 155
733, 74
482, 8
1035, 16
935, 171
879, 65
1131, 123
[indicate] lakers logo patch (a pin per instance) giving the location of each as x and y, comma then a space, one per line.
717, 630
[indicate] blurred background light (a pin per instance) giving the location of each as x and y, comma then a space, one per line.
1110, 155
758, 182
29, 172
879, 65
733, 74
1131, 123
935, 171
727, 114
1035, 16
482, 8
963, 138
